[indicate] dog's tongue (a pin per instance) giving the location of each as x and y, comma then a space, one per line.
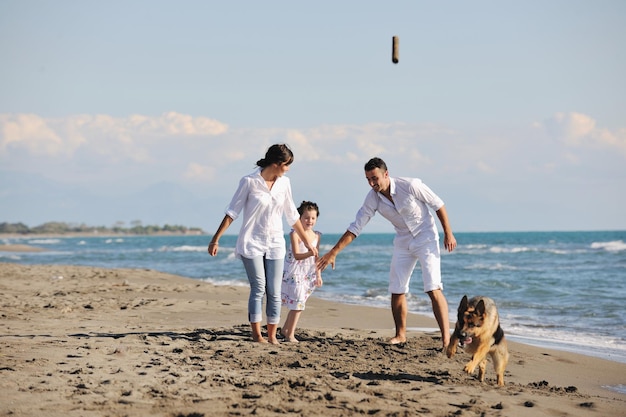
467, 340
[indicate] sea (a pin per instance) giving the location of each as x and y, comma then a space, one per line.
561, 290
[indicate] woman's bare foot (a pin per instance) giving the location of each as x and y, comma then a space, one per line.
397, 339
291, 340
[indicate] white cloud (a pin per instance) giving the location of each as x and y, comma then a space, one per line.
118, 138
306, 150
569, 127
178, 147
199, 172
580, 130
608, 138
172, 123
485, 167
337, 143
107, 154
30, 132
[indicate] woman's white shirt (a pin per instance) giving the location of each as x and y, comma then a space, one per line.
261, 232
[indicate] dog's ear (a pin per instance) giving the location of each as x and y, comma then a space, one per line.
480, 307
462, 307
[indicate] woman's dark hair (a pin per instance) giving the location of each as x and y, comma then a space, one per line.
276, 154
375, 163
308, 205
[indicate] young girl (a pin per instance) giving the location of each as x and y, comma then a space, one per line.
301, 275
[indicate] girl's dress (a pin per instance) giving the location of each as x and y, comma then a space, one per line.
299, 277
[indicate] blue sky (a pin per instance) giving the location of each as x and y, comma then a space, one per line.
513, 112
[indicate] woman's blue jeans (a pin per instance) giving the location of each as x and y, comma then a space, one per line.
265, 277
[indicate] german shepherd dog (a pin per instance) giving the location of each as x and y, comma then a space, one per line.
478, 331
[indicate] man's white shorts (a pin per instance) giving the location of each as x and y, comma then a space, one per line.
403, 263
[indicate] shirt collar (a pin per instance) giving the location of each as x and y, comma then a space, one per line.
392, 190
258, 174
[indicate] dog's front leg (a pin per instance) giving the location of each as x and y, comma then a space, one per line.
479, 355
481, 369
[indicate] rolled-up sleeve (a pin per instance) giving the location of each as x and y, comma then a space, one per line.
290, 210
423, 193
365, 213
239, 199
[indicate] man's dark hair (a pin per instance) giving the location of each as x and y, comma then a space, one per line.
375, 163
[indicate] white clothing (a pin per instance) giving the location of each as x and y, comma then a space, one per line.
299, 277
409, 214
261, 232
403, 263
416, 238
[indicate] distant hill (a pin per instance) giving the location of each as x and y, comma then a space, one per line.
59, 228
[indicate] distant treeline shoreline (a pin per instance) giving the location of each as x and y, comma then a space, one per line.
61, 228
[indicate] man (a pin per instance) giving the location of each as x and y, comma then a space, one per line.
405, 203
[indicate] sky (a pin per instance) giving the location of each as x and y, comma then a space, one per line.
114, 112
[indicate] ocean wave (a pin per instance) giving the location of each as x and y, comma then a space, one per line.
587, 344
493, 267
227, 282
474, 246
518, 249
479, 249
621, 388
118, 240
371, 301
504, 250
564, 252
183, 248
612, 246
376, 293
44, 241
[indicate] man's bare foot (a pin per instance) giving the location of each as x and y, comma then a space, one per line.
274, 341
259, 339
397, 339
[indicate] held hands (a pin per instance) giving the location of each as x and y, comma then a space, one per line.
323, 262
318, 281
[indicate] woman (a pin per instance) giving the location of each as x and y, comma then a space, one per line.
264, 196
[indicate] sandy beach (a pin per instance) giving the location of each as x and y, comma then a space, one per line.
84, 341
